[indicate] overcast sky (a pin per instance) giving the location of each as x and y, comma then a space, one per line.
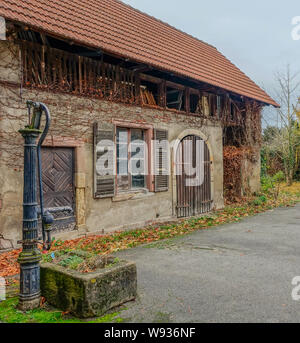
255, 35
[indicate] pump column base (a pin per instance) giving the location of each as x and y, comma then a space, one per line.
27, 304
30, 294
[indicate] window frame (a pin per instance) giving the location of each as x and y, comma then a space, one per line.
148, 135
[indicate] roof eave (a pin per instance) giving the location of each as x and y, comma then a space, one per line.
79, 42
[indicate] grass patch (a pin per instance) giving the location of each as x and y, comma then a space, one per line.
10, 314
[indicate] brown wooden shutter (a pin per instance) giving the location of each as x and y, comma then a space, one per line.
104, 185
161, 177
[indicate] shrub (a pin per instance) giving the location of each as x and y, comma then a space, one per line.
266, 183
263, 199
278, 177
257, 202
271, 184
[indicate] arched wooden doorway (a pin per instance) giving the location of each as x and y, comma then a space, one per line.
193, 177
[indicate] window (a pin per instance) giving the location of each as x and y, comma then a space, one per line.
133, 162
131, 159
175, 99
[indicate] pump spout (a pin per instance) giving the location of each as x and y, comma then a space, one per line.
47, 221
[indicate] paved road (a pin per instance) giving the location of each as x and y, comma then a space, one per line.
234, 273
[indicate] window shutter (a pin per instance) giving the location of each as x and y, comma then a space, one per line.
104, 176
161, 160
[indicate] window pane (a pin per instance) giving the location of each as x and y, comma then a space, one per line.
137, 134
137, 166
122, 167
122, 151
122, 159
137, 161
137, 158
138, 171
138, 149
122, 136
138, 181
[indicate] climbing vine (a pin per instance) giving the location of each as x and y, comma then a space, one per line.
242, 142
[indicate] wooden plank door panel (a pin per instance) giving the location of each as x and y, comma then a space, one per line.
196, 199
58, 184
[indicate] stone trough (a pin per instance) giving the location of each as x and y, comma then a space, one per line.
92, 294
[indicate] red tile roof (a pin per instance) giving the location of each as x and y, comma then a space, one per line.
120, 29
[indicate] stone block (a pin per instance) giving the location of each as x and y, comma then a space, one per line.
92, 294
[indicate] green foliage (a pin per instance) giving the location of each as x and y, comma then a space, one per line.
10, 314
57, 254
115, 261
58, 242
263, 199
165, 227
266, 183
71, 262
264, 162
278, 177
77, 259
271, 184
259, 201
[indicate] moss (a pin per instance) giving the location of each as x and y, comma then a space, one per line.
10, 314
115, 261
88, 295
53, 284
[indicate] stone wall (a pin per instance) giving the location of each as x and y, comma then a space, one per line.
72, 123
251, 171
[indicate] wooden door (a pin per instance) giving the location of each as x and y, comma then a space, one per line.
58, 184
192, 164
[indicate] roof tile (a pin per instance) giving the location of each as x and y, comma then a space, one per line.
121, 29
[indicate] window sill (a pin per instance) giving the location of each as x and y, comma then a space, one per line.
132, 195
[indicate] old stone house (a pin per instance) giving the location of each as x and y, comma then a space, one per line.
109, 72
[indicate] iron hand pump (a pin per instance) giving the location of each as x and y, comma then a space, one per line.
30, 256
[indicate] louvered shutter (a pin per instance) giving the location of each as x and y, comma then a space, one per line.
161, 160
104, 161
